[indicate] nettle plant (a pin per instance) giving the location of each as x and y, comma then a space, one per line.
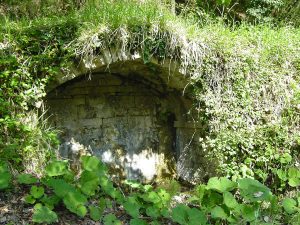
92, 193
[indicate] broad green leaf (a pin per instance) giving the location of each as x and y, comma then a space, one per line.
50, 201
285, 158
152, 197
164, 196
155, 223
36, 191
102, 204
137, 221
95, 213
152, 212
179, 214
75, 201
106, 185
42, 214
248, 212
229, 200
26, 179
89, 183
60, 187
200, 191
253, 190
56, 168
29, 199
3, 167
69, 176
111, 219
5, 180
220, 184
196, 217
212, 199
294, 172
38, 206
281, 174
289, 205
133, 184
90, 163
132, 207
219, 213
294, 182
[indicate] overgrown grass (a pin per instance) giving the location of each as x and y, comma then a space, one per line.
244, 78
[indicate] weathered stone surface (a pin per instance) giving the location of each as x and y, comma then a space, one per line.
135, 122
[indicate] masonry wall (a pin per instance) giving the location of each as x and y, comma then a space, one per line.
127, 121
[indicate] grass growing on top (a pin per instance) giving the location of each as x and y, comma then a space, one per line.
244, 78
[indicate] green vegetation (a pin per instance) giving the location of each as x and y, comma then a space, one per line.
91, 191
244, 76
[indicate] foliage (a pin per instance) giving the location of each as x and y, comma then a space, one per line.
252, 11
5, 176
219, 201
43, 214
243, 79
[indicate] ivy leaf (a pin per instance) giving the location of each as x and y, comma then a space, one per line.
137, 221
111, 219
95, 213
57, 168
289, 205
43, 214
220, 184
229, 200
26, 179
36, 191
219, 213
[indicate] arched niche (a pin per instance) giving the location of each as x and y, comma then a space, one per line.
134, 116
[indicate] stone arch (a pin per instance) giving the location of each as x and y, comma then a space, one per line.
131, 114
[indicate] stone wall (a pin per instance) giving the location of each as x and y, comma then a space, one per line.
134, 125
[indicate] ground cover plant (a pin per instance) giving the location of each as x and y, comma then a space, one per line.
90, 192
245, 83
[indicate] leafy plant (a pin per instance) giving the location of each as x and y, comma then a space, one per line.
182, 214
5, 176
111, 219
26, 179
43, 214
37, 192
56, 168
